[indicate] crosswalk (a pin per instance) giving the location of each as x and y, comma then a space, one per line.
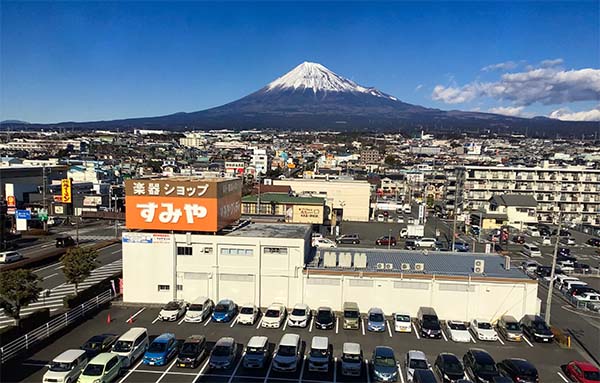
55, 300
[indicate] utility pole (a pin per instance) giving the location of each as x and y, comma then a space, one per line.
454, 228
44, 196
390, 239
552, 272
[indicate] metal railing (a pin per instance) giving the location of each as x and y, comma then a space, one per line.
60, 322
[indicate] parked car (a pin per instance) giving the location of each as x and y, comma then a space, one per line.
448, 368
410, 244
383, 362
323, 243
531, 250
530, 266
546, 240
66, 367
325, 318
98, 344
458, 331
65, 241
563, 233
131, 346
104, 367
300, 316
582, 267
588, 297
461, 247
257, 352
519, 370
569, 241
426, 243
224, 311
161, 350
533, 231
594, 242
564, 252
386, 240
199, 310
424, 376
483, 330
429, 323
351, 316
578, 290
289, 353
582, 372
274, 316
509, 328
248, 314
480, 366
320, 355
10, 256
520, 239
402, 322
536, 328
192, 351
352, 359
415, 360
223, 353
348, 238
172, 311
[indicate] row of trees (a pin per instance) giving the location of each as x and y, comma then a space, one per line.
21, 287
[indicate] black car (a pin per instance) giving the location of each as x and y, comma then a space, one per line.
410, 244
544, 232
99, 344
519, 370
480, 365
192, 351
563, 233
582, 267
65, 241
564, 251
565, 256
594, 242
424, 376
353, 239
536, 328
448, 368
325, 318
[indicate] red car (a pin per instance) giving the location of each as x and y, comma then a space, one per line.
582, 372
385, 241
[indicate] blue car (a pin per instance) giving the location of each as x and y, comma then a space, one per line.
461, 247
161, 350
224, 311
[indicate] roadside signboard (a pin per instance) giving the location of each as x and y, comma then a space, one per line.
66, 191
23, 214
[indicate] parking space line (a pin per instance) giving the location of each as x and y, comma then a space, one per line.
202, 369
234, 321
166, 371
367, 371
416, 332
335, 369
311, 324
269, 369
236, 368
154, 321
472, 337
259, 323
130, 371
501, 341
207, 321
284, 325
136, 314
400, 374
362, 326
181, 321
387, 324
302, 370
337, 324
444, 335
562, 377
49, 276
528, 342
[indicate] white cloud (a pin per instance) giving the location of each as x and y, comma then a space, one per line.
548, 86
418, 87
585, 115
508, 65
514, 111
551, 63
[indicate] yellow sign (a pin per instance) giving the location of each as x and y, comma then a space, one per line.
308, 214
66, 191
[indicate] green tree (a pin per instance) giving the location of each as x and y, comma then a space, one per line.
78, 263
18, 288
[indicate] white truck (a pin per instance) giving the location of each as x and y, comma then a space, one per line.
412, 231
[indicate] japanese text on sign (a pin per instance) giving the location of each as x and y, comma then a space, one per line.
167, 213
154, 189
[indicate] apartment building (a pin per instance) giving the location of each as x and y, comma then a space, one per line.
575, 191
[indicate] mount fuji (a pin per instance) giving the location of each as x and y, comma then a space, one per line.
311, 96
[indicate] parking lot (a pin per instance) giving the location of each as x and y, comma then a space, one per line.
546, 357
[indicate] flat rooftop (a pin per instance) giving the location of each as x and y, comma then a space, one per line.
436, 263
272, 230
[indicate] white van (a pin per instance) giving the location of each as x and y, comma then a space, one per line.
288, 353
568, 284
561, 279
131, 345
352, 359
199, 310
531, 250
10, 256
319, 357
66, 367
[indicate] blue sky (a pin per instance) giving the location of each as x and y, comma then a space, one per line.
79, 61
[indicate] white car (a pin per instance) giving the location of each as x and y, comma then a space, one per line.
533, 231
323, 243
546, 240
300, 316
199, 310
588, 297
530, 266
380, 217
274, 316
402, 322
426, 242
400, 219
248, 314
483, 330
415, 360
459, 331
569, 241
172, 310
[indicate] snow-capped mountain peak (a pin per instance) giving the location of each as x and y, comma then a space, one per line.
317, 77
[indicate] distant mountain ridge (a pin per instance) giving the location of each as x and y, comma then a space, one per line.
311, 96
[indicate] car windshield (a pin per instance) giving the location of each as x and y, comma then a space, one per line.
196, 308
286, 351
122, 346
351, 358
93, 370
533, 248
324, 316
247, 310
418, 364
484, 325
457, 326
486, 368
376, 317
189, 348
317, 352
453, 367
60, 366
594, 376
272, 314
431, 323
254, 350
384, 361
92, 345
221, 308
157, 347
402, 318
221, 351
539, 326
351, 314
171, 306
513, 326
299, 312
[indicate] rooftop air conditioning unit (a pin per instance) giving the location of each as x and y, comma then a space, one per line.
360, 260
405, 266
507, 262
330, 259
419, 267
345, 260
389, 266
380, 266
479, 266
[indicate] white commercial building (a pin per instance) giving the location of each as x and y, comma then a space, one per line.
266, 263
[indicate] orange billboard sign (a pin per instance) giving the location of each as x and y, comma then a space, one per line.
65, 190
182, 204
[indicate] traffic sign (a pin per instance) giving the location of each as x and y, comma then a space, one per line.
23, 214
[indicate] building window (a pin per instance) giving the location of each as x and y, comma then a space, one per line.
411, 285
360, 283
164, 288
179, 287
276, 250
184, 250
231, 251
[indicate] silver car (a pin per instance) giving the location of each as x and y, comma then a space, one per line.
223, 353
